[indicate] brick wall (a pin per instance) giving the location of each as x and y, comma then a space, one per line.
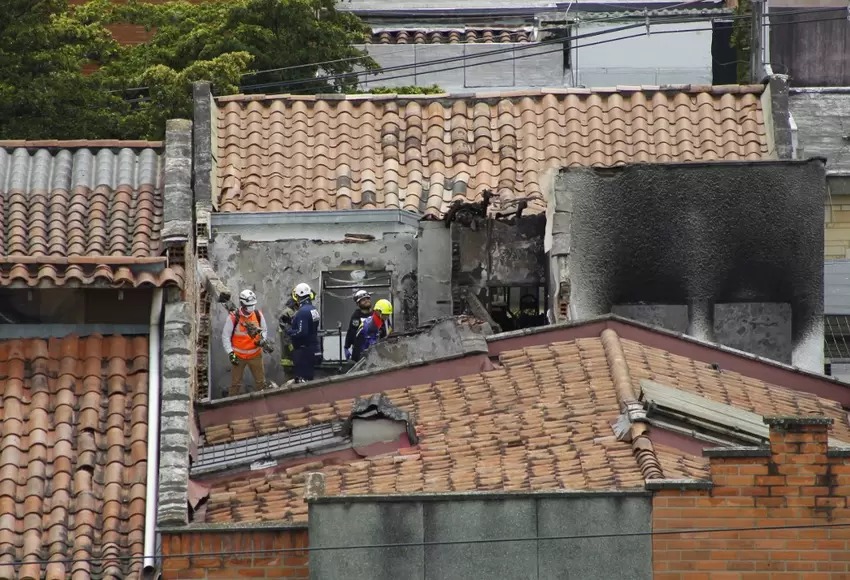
796, 482
234, 554
837, 227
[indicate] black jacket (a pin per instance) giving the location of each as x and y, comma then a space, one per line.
353, 325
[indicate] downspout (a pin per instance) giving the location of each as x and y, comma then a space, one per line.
152, 479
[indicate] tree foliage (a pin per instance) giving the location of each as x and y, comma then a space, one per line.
43, 48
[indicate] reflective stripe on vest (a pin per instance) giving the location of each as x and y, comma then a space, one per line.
243, 345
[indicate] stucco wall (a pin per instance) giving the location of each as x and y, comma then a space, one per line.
272, 268
698, 234
459, 518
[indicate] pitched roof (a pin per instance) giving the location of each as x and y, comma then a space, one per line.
82, 212
821, 117
73, 452
421, 152
450, 35
541, 421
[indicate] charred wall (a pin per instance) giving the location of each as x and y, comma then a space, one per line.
700, 235
498, 254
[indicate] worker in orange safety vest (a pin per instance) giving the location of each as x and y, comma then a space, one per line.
241, 336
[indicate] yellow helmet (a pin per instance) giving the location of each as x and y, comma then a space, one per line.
384, 307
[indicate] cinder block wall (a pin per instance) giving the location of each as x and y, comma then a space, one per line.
235, 553
796, 484
837, 227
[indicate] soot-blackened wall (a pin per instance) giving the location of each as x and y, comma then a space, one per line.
698, 234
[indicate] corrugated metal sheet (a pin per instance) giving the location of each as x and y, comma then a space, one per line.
823, 125
836, 281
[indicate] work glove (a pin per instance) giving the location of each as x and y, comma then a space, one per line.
234, 360
347, 353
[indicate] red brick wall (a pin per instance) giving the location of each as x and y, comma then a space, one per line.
796, 484
233, 554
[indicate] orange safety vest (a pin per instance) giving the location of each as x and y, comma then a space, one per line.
243, 345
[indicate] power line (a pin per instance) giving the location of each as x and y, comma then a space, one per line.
650, 533
559, 41
516, 57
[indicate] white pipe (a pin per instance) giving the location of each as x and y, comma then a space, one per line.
152, 479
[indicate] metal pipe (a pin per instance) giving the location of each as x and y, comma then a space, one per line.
152, 479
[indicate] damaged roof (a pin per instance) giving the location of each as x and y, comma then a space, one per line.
73, 457
82, 212
422, 152
541, 420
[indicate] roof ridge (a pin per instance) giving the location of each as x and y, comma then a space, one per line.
642, 447
484, 95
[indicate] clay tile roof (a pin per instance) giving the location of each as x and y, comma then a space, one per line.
421, 152
450, 36
542, 421
73, 452
82, 212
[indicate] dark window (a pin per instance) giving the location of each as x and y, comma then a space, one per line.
517, 307
836, 337
337, 304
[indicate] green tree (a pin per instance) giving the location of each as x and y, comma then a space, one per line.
42, 92
222, 41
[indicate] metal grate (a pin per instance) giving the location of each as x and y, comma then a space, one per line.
212, 458
837, 337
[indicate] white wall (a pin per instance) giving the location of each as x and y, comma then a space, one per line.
657, 59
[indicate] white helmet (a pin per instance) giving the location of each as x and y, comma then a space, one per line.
360, 295
302, 291
247, 298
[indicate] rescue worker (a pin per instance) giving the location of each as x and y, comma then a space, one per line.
285, 323
373, 328
363, 300
306, 349
241, 347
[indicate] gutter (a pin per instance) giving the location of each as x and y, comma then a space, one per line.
330, 217
152, 479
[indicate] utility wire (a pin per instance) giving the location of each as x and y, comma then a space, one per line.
524, 46
650, 533
381, 79
559, 41
637, 14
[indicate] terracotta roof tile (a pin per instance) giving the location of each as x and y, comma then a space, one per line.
541, 421
450, 36
82, 215
73, 452
419, 153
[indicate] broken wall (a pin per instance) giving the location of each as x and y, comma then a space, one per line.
698, 235
273, 267
444, 338
498, 254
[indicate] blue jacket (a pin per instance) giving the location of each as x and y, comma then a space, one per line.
305, 327
369, 333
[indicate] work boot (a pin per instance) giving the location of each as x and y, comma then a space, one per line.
234, 391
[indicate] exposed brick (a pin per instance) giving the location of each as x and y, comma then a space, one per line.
235, 554
762, 507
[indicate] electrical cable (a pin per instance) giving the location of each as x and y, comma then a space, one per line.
559, 49
650, 533
559, 41
525, 46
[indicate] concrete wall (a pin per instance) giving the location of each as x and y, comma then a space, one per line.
698, 234
434, 248
653, 59
516, 65
450, 518
272, 268
451, 337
